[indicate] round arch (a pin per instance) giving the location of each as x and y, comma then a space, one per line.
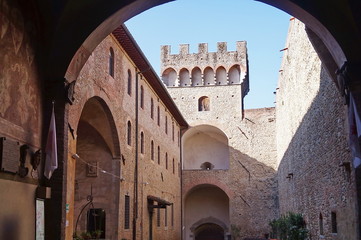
209, 227
101, 118
97, 145
169, 77
315, 15
205, 144
206, 207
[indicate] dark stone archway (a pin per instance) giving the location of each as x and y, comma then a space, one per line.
209, 231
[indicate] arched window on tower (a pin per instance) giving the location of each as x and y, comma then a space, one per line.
196, 77
111, 62
169, 77
221, 76
208, 76
203, 104
184, 79
234, 75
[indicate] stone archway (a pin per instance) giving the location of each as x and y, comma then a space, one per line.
209, 228
97, 145
205, 207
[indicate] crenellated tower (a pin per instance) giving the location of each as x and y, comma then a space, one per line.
205, 81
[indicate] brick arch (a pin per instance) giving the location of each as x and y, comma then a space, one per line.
209, 220
111, 133
74, 54
188, 188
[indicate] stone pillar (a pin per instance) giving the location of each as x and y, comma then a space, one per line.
55, 208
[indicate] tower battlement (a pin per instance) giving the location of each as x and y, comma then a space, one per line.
203, 49
205, 68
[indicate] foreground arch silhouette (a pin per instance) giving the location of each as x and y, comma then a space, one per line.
70, 30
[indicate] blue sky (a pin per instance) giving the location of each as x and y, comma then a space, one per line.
210, 21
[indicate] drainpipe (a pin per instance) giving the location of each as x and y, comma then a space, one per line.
181, 178
135, 205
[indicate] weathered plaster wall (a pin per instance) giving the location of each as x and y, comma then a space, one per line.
20, 115
312, 142
154, 179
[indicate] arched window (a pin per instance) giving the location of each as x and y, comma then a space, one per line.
142, 97
184, 79
234, 75
129, 82
169, 77
207, 166
152, 150
173, 166
203, 104
208, 76
129, 133
111, 62
152, 108
173, 131
142, 142
166, 124
158, 155
196, 77
321, 224
166, 160
221, 76
158, 116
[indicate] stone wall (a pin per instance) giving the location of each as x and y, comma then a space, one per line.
156, 179
250, 182
313, 155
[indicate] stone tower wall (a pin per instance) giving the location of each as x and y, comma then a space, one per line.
314, 173
248, 175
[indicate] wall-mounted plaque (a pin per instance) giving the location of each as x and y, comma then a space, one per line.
9, 155
92, 169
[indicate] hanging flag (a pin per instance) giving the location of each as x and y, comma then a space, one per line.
355, 132
51, 160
